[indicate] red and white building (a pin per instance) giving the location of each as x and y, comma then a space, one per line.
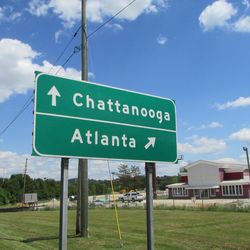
207, 179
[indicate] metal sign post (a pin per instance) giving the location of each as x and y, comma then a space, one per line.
79, 119
64, 204
149, 168
83, 165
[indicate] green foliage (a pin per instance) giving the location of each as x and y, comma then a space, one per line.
92, 189
130, 178
99, 186
166, 180
72, 188
12, 188
5, 197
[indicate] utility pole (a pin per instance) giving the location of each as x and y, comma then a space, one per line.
248, 165
24, 180
82, 206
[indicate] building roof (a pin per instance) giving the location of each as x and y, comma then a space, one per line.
235, 182
223, 183
175, 185
202, 187
228, 167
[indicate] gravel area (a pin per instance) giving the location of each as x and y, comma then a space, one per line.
157, 203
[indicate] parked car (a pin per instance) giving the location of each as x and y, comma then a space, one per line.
132, 196
97, 203
73, 198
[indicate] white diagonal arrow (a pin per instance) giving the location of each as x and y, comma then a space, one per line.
151, 142
54, 93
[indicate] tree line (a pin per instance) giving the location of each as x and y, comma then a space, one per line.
127, 178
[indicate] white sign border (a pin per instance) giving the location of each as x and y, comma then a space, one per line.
38, 74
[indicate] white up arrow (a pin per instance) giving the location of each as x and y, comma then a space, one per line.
54, 93
151, 142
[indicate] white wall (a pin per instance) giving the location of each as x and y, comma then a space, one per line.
203, 175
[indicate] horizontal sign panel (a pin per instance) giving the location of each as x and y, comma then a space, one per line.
82, 119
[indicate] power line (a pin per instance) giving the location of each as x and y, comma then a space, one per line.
30, 98
25, 106
66, 47
110, 19
76, 50
93, 32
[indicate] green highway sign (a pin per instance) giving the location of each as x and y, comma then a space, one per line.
78, 119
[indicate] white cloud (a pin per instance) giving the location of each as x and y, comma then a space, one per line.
156, 5
202, 145
91, 75
217, 15
58, 34
161, 39
99, 9
211, 125
114, 26
220, 13
192, 128
39, 167
152, 9
68, 72
17, 68
70, 11
239, 102
46, 167
246, 3
38, 8
169, 169
8, 15
242, 25
230, 160
241, 135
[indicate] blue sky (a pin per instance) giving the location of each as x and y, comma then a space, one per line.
195, 52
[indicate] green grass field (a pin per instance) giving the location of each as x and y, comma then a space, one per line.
174, 229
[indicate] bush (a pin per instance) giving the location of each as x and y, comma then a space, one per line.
4, 197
